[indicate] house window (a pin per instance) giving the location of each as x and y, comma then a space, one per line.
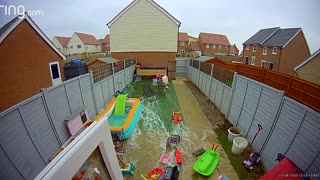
247, 47
108, 45
71, 47
182, 43
275, 50
55, 73
208, 45
247, 59
220, 46
213, 46
78, 46
254, 48
265, 51
226, 47
271, 65
253, 60
263, 64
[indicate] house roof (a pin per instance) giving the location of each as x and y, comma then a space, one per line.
261, 36
282, 37
183, 37
234, 49
315, 54
63, 40
108, 60
219, 39
10, 26
151, 2
87, 38
106, 39
204, 58
195, 46
191, 38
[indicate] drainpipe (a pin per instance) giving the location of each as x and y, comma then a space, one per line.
279, 59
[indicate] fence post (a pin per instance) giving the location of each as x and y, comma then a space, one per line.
288, 88
124, 72
232, 93
114, 88
93, 93
209, 94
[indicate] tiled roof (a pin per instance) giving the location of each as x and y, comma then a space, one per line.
218, 39
261, 36
281, 37
195, 46
106, 39
234, 50
204, 58
183, 37
87, 39
63, 40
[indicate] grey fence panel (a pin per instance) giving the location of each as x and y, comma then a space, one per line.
74, 95
219, 93
201, 81
7, 168
97, 88
127, 75
266, 112
306, 145
111, 87
19, 147
181, 65
208, 85
105, 91
195, 76
213, 89
314, 167
240, 86
249, 107
59, 109
226, 98
288, 123
38, 126
87, 95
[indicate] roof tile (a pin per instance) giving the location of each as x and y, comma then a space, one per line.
281, 37
88, 39
261, 36
106, 39
63, 40
183, 37
219, 39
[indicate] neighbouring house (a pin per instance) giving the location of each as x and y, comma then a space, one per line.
310, 69
183, 42
234, 51
101, 61
145, 31
30, 61
276, 49
194, 46
62, 44
214, 44
191, 38
105, 46
83, 44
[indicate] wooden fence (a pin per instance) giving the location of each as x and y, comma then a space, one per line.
300, 90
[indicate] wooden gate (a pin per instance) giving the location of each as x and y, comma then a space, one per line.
172, 70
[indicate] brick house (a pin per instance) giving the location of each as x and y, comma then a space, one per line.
214, 44
145, 31
81, 43
276, 49
234, 51
183, 42
105, 45
309, 69
194, 46
30, 61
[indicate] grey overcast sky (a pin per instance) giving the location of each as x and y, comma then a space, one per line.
238, 19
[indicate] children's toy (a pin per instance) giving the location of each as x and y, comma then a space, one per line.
222, 177
173, 139
198, 152
171, 173
128, 170
177, 116
178, 157
155, 174
253, 160
208, 162
165, 159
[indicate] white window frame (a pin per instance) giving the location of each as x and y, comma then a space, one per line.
273, 66
208, 45
182, 43
263, 62
213, 46
220, 46
265, 51
253, 60
58, 80
254, 48
247, 47
275, 50
225, 47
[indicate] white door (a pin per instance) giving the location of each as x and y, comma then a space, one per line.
55, 73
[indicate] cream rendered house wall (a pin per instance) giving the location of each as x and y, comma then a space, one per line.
144, 28
311, 70
92, 48
57, 44
74, 41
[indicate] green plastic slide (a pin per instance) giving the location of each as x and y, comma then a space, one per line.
120, 109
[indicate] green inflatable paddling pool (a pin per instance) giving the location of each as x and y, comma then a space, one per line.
207, 163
